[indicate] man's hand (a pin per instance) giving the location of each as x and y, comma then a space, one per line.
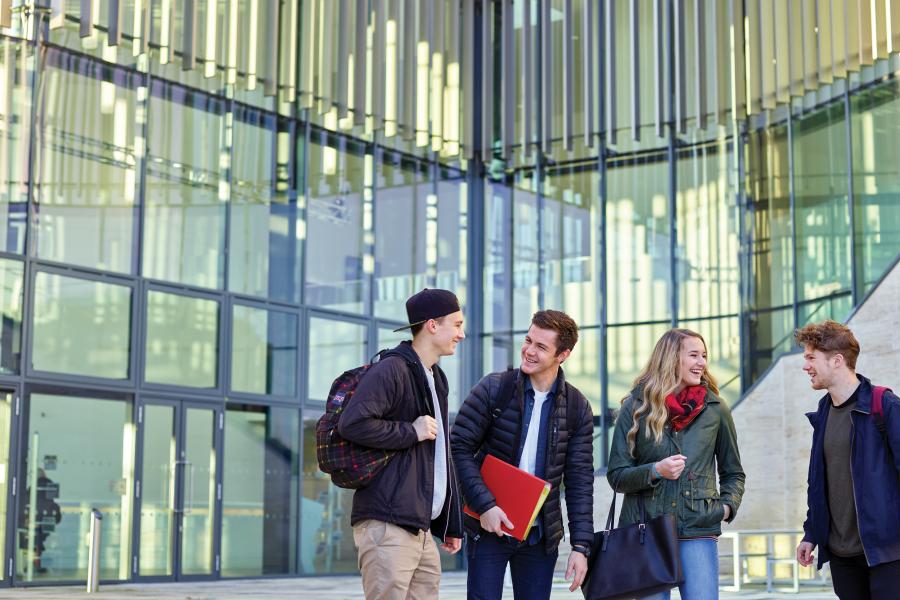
727, 510
805, 553
493, 518
426, 428
577, 566
671, 467
451, 545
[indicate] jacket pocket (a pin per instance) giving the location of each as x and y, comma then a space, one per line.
704, 510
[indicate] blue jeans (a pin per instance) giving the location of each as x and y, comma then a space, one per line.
700, 564
531, 568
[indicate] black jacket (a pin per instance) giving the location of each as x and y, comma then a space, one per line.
570, 454
392, 394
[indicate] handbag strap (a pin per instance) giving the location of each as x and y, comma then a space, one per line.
610, 518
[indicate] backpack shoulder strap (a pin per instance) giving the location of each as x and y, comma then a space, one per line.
507, 391
878, 408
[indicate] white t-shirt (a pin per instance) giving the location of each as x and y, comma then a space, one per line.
440, 452
529, 450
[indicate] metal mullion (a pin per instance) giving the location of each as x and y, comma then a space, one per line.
568, 88
659, 58
793, 218
609, 79
359, 63
603, 349
635, 48
673, 230
855, 287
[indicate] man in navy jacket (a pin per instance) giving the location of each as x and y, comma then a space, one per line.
853, 499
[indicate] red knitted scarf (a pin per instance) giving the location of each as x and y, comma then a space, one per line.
687, 405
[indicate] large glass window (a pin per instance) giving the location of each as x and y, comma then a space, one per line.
259, 501
11, 286
723, 344
264, 244
876, 183
498, 251
264, 351
638, 238
16, 63
6, 421
326, 538
187, 192
334, 347
339, 222
182, 340
81, 327
822, 215
628, 350
79, 455
85, 203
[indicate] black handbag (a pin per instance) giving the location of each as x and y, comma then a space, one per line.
633, 561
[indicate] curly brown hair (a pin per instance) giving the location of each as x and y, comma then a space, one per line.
831, 338
565, 327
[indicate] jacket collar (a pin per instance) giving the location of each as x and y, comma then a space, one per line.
863, 401
553, 388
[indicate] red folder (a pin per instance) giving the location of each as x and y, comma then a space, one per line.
519, 493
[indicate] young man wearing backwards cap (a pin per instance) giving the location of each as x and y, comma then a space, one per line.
401, 404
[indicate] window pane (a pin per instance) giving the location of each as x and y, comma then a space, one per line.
81, 327
6, 421
336, 276
708, 245
628, 350
582, 368
264, 247
182, 340
326, 538
525, 268
723, 345
401, 216
80, 453
334, 347
822, 211
16, 64
876, 187
452, 233
498, 240
86, 202
11, 284
638, 240
259, 503
264, 351
186, 196
157, 491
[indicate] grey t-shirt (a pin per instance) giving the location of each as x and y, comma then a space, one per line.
843, 539
440, 452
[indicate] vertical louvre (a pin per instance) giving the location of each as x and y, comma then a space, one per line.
635, 62
232, 42
838, 38
85, 28
546, 117
851, 30
568, 107
359, 62
487, 79
438, 67
767, 54
468, 67
527, 76
880, 29
343, 58
738, 53
810, 46
423, 44
379, 39
114, 33
781, 16
609, 83
209, 66
587, 48
452, 113
508, 92
824, 36
894, 23
326, 56
700, 62
866, 47
659, 65
795, 54
407, 115
308, 43
289, 52
6, 14
272, 28
721, 56
189, 34
680, 83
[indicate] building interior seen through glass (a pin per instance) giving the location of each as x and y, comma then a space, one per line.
200, 229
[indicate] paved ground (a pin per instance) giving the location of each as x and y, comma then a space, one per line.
308, 588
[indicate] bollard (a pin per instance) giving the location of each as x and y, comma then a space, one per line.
93, 578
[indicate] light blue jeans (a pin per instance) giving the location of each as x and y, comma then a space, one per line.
700, 563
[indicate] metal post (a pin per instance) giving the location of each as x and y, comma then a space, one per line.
93, 578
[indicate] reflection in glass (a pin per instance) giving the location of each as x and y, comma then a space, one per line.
876, 185
336, 223
264, 245
326, 538
187, 192
582, 368
638, 240
71, 465
198, 491
822, 214
628, 350
498, 253
157, 491
264, 351
526, 265
16, 63
334, 347
11, 290
182, 340
86, 203
723, 344
259, 503
81, 327
6, 400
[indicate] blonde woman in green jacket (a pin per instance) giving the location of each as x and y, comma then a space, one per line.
673, 437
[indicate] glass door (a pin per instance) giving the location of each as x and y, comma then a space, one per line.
8, 411
180, 490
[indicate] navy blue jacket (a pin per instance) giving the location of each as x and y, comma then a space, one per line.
876, 478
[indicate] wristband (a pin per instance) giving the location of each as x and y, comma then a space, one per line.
583, 550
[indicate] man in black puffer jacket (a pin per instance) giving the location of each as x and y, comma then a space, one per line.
546, 429
401, 404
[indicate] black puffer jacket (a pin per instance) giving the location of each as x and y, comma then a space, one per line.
570, 453
389, 398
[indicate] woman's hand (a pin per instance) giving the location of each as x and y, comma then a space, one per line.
671, 467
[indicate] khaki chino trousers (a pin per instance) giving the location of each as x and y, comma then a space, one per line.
396, 564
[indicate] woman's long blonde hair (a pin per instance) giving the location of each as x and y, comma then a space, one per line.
660, 378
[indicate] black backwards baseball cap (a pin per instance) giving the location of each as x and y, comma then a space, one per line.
429, 304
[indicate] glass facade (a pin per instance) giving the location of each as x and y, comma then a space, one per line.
200, 232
